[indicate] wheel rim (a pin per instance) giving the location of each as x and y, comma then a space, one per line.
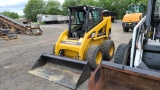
111, 50
99, 57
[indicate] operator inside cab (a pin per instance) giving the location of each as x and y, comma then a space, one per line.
77, 23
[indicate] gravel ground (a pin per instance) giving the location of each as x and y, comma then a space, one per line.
19, 55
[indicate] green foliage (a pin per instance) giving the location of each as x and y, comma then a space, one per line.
88, 2
105, 4
119, 6
12, 15
34, 7
68, 3
53, 7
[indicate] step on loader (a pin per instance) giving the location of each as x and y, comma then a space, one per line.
137, 64
79, 49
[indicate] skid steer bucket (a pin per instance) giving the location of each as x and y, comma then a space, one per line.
65, 71
111, 76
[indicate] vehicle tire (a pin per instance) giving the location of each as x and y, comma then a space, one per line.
53, 52
130, 42
122, 55
108, 48
126, 29
113, 21
94, 56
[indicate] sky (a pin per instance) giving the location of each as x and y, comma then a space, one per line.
15, 5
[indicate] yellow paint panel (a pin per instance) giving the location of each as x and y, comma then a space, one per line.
135, 17
90, 38
69, 53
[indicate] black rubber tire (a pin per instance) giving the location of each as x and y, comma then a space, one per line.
130, 42
106, 49
126, 29
113, 21
122, 55
53, 52
91, 56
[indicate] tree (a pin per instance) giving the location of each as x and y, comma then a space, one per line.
12, 15
32, 8
105, 4
68, 3
88, 2
120, 6
53, 7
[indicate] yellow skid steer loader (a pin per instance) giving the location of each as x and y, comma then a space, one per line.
80, 48
137, 64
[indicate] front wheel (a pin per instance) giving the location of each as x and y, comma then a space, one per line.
94, 56
126, 29
122, 55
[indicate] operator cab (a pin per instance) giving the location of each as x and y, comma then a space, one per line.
136, 9
154, 33
157, 20
82, 19
151, 41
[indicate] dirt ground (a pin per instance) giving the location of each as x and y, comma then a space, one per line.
18, 56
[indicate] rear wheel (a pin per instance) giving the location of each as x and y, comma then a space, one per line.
126, 29
122, 55
94, 56
108, 50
